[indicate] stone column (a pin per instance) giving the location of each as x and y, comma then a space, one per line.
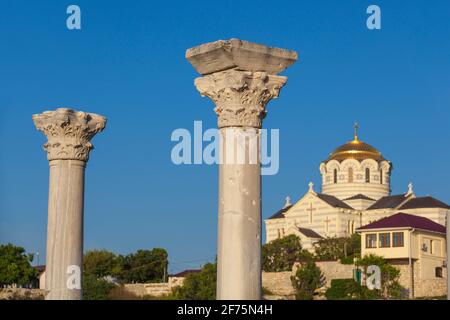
69, 133
240, 77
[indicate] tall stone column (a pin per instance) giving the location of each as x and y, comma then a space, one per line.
240, 77
69, 133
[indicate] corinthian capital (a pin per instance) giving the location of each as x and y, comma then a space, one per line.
240, 77
240, 96
69, 132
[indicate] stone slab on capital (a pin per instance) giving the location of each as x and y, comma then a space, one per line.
241, 55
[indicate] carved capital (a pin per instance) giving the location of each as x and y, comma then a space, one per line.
69, 132
240, 96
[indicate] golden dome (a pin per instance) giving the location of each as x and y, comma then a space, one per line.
355, 149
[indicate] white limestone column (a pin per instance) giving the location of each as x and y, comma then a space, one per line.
239, 77
69, 133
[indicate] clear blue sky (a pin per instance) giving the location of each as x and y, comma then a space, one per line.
128, 64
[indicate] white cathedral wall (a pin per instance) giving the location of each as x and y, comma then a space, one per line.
347, 186
274, 229
322, 214
359, 204
437, 215
342, 190
374, 215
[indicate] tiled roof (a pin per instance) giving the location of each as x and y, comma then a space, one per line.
309, 233
424, 202
40, 268
402, 220
185, 273
280, 213
333, 201
388, 202
359, 196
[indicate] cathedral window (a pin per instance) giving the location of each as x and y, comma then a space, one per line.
335, 176
350, 175
367, 175
371, 240
438, 272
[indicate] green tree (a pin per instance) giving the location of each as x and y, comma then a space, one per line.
102, 263
338, 248
308, 278
145, 266
390, 286
95, 288
198, 286
15, 266
281, 254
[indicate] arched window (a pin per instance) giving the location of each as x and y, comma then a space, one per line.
367, 175
335, 176
350, 175
381, 176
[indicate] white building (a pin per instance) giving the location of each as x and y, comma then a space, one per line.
355, 191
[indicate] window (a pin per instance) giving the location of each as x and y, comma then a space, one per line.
381, 176
371, 240
438, 272
350, 175
397, 239
385, 240
431, 246
367, 175
335, 176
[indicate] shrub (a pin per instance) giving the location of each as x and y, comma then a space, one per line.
349, 289
390, 287
308, 278
198, 286
281, 254
338, 248
95, 288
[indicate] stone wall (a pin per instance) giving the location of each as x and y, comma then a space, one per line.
278, 283
335, 270
149, 289
21, 294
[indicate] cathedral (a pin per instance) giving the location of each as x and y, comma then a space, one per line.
355, 192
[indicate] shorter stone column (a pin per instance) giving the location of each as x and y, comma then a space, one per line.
69, 133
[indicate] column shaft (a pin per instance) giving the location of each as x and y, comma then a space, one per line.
65, 229
239, 224
69, 133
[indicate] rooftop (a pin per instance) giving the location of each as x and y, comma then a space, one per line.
404, 220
